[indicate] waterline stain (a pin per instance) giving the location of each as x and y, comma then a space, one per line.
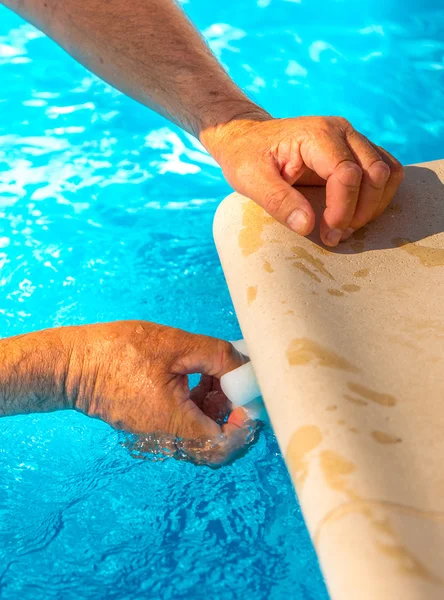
372, 395
254, 220
316, 263
385, 438
362, 273
428, 257
302, 442
251, 293
349, 287
303, 351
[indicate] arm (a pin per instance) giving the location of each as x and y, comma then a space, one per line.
131, 374
149, 50
31, 377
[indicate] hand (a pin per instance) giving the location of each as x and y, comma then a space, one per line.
133, 375
262, 158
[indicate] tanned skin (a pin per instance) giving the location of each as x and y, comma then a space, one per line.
151, 51
133, 374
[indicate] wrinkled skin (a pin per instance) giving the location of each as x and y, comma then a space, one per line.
133, 375
262, 158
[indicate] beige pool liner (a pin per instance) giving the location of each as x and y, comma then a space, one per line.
348, 346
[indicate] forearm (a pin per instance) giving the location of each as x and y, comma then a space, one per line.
149, 50
32, 374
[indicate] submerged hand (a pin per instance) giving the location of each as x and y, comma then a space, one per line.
262, 158
131, 374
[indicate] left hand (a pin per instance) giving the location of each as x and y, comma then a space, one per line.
134, 376
262, 158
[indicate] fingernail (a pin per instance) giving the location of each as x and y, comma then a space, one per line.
347, 233
238, 417
297, 221
333, 237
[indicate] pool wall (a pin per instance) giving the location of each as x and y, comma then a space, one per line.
347, 346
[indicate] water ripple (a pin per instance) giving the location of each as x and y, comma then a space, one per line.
106, 213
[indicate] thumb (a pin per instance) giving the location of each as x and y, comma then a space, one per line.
267, 187
202, 439
208, 356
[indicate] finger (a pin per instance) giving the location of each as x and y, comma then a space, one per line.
393, 183
199, 393
333, 160
214, 450
202, 443
192, 422
218, 451
206, 355
310, 178
268, 188
238, 418
375, 175
211, 400
342, 192
209, 356
207, 421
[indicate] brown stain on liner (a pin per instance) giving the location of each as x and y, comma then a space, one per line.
362, 273
357, 246
428, 257
350, 287
254, 220
306, 271
303, 351
303, 254
268, 267
302, 442
372, 395
336, 469
251, 293
406, 561
334, 292
355, 400
385, 438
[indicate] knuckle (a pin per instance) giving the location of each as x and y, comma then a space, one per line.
349, 174
397, 172
379, 173
274, 200
343, 122
225, 351
225, 348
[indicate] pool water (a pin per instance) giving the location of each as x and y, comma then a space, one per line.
106, 212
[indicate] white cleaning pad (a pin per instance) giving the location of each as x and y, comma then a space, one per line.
241, 346
241, 387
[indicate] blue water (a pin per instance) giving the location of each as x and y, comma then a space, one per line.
106, 213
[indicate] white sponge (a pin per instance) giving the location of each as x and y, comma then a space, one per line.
241, 386
241, 346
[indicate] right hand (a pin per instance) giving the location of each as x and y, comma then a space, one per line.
263, 158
